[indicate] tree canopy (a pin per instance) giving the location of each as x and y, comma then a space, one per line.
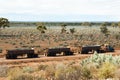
4, 22
63, 30
72, 30
104, 30
114, 24
41, 27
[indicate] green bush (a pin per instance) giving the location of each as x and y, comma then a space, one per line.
107, 70
28, 69
99, 59
101, 66
86, 73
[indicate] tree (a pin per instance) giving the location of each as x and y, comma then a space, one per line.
114, 24
63, 30
72, 30
104, 30
118, 24
4, 22
41, 27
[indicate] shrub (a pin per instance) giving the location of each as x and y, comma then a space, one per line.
50, 72
100, 66
22, 74
60, 68
3, 70
67, 72
99, 59
86, 73
117, 74
117, 36
72, 30
42, 67
104, 30
107, 71
93, 68
28, 69
73, 73
14, 72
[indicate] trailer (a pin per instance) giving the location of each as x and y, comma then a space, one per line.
98, 48
13, 53
54, 51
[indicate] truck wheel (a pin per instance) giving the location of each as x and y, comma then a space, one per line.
84, 52
54, 54
51, 54
14, 57
35, 55
30, 55
67, 53
71, 53
11, 56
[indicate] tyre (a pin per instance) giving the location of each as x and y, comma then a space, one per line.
8, 56
54, 54
51, 54
35, 55
14, 57
70, 53
30, 55
48, 54
84, 52
67, 53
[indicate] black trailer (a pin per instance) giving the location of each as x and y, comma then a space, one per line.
54, 51
13, 53
97, 48
91, 49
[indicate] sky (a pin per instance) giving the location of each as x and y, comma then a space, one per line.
60, 10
